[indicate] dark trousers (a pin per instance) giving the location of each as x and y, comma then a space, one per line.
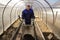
27, 22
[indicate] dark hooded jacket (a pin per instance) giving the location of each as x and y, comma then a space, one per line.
28, 15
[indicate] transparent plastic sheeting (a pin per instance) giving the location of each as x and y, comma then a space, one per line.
1, 28
44, 9
7, 18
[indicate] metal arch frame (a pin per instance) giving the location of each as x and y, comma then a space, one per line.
40, 3
3, 14
56, 16
15, 13
5, 8
11, 12
12, 9
40, 8
36, 8
51, 10
44, 9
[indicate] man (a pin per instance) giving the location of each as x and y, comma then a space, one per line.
28, 15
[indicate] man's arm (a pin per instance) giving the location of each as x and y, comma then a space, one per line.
23, 15
32, 18
32, 15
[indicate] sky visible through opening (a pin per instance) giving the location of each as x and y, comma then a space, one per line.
52, 1
5, 1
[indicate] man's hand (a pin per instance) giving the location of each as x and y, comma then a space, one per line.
32, 20
18, 16
23, 21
